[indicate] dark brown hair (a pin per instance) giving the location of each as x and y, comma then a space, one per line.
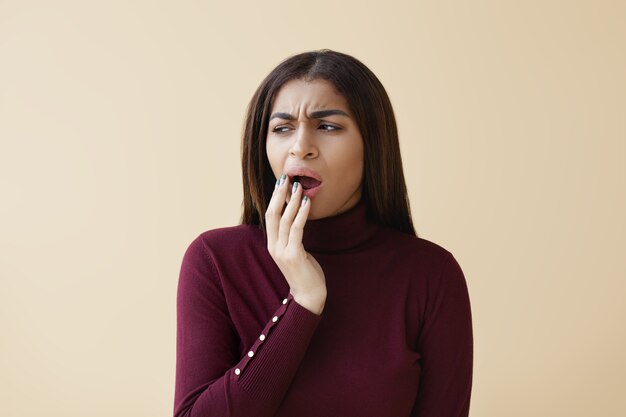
384, 189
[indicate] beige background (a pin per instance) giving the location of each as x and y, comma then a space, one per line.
120, 124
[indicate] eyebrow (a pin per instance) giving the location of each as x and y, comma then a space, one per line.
314, 115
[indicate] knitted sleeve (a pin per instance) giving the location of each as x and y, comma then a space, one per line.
212, 377
446, 345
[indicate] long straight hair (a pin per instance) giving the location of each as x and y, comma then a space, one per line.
384, 188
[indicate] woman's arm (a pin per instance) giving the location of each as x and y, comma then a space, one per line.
285, 229
446, 345
211, 378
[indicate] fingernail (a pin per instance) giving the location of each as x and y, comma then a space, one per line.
295, 187
304, 200
277, 181
282, 178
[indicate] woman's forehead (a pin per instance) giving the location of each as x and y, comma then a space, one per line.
318, 94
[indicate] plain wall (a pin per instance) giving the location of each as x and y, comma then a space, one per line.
120, 125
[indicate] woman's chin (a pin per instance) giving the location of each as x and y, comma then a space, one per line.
312, 215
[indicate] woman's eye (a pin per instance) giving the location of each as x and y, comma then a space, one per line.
328, 127
280, 129
323, 126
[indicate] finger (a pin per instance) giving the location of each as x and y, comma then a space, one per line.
274, 210
289, 214
297, 228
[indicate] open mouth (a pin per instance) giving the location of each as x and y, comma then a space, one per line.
306, 182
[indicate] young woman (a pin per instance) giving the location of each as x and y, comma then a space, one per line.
323, 302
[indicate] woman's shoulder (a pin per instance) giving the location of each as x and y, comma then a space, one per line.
417, 251
232, 232
415, 247
230, 238
223, 245
431, 262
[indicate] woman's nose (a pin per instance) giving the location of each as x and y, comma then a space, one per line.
304, 146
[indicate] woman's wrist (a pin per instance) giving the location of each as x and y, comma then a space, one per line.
312, 302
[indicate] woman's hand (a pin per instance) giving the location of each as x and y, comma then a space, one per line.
303, 273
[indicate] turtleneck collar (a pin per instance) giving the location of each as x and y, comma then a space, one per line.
340, 232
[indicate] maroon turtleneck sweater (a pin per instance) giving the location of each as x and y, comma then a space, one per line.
395, 338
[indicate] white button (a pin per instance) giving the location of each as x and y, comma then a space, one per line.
251, 353
275, 319
237, 371
262, 337
285, 301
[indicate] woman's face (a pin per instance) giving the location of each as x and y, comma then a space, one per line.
313, 138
